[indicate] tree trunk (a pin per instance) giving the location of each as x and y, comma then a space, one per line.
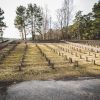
32, 31
22, 34
25, 33
33, 34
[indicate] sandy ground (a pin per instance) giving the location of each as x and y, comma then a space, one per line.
83, 89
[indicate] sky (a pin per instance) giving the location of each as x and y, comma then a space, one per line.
9, 7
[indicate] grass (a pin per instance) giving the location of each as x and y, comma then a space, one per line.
36, 67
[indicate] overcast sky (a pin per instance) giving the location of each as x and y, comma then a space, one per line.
9, 7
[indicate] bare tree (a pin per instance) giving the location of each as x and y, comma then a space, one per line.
45, 22
67, 9
50, 29
60, 19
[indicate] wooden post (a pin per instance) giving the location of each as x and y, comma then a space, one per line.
76, 54
91, 50
66, 57
49, 62
59, 54
97, 51
71, 53
20, 69
86, 58
95, 55
20, 66
52, 65
80, 57
70, 60
76, 64
94, 62
46, 58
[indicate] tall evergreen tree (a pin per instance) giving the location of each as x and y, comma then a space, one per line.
20, 20
96, 23
35, 18
2, 24
79, 24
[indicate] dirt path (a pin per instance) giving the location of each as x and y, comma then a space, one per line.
85, 89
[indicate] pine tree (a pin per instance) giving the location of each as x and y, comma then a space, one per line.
96, 23
34, 14
2, 24
20, 20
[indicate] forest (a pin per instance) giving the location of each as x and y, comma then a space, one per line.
36, 21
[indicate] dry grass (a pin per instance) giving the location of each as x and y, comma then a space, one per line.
36, 67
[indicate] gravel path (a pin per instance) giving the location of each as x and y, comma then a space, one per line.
88, 89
